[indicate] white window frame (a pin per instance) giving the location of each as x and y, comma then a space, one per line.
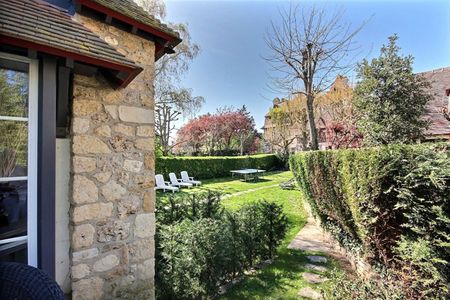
33, 86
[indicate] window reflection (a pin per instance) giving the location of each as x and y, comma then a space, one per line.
13, 93
13, 163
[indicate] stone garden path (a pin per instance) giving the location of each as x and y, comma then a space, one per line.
313, 239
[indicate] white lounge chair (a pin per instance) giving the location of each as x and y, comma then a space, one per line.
185, 178
163, 185
174, 181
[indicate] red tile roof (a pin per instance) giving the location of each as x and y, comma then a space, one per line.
440, 83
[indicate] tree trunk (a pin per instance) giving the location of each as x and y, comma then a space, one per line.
312, 124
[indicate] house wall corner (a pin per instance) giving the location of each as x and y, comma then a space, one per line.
112, 177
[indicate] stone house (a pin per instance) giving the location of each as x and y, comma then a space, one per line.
328, 106
77, 142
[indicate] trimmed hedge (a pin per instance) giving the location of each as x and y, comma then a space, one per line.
204, 167
390, 204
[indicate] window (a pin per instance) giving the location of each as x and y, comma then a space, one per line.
18, 159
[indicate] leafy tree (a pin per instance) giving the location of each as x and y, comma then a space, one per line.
390, 99
228, 131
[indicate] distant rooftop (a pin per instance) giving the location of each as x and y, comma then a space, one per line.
440, 82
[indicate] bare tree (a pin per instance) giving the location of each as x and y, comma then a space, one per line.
309, 48
172, 104
172, 100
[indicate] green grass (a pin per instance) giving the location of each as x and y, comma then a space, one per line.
230, 185
283, 278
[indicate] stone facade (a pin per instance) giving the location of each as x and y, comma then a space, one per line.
112, 197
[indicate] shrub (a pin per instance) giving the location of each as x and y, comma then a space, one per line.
192, 207
195, 258
199, 246
214, 166
344, 287
391, 204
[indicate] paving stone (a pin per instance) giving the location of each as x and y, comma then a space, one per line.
314, 278
317, 259
316, 268
309, 293
311, 238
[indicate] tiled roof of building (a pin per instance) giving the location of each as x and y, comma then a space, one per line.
42, 23
130, 9
440, 82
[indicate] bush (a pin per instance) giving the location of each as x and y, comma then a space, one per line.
391, 204
214, 166
346, 287
199, 246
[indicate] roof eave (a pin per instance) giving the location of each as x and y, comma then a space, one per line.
130, 70
170, 40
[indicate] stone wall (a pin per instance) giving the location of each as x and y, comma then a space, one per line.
112, 196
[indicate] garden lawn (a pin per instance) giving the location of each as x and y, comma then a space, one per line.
283, 278
229, 185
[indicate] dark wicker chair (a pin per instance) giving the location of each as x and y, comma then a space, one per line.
20, 282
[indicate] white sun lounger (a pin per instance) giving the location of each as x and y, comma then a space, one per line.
174, 181
163, 185
185, 178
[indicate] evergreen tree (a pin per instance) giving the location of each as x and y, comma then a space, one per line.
390, 99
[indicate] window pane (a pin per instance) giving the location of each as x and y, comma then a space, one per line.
13, 160
13, 219
13, 93
13, 148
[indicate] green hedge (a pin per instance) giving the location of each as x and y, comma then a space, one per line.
200, 246
391, 204
204, 167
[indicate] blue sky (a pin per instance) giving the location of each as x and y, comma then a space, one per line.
231, 71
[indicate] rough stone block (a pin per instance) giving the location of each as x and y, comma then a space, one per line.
86, 108
113, 231
144, 225
84, 164
142, 250
92, 211
85, 144
103, 176
149, 201
135, 115
84, 190
103, 130
113, 191
84, 254
145, 144
83, 236
112, 111
80, 271
80, 125
146, 270
88, 289
124, 129
106, 263
132, 165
